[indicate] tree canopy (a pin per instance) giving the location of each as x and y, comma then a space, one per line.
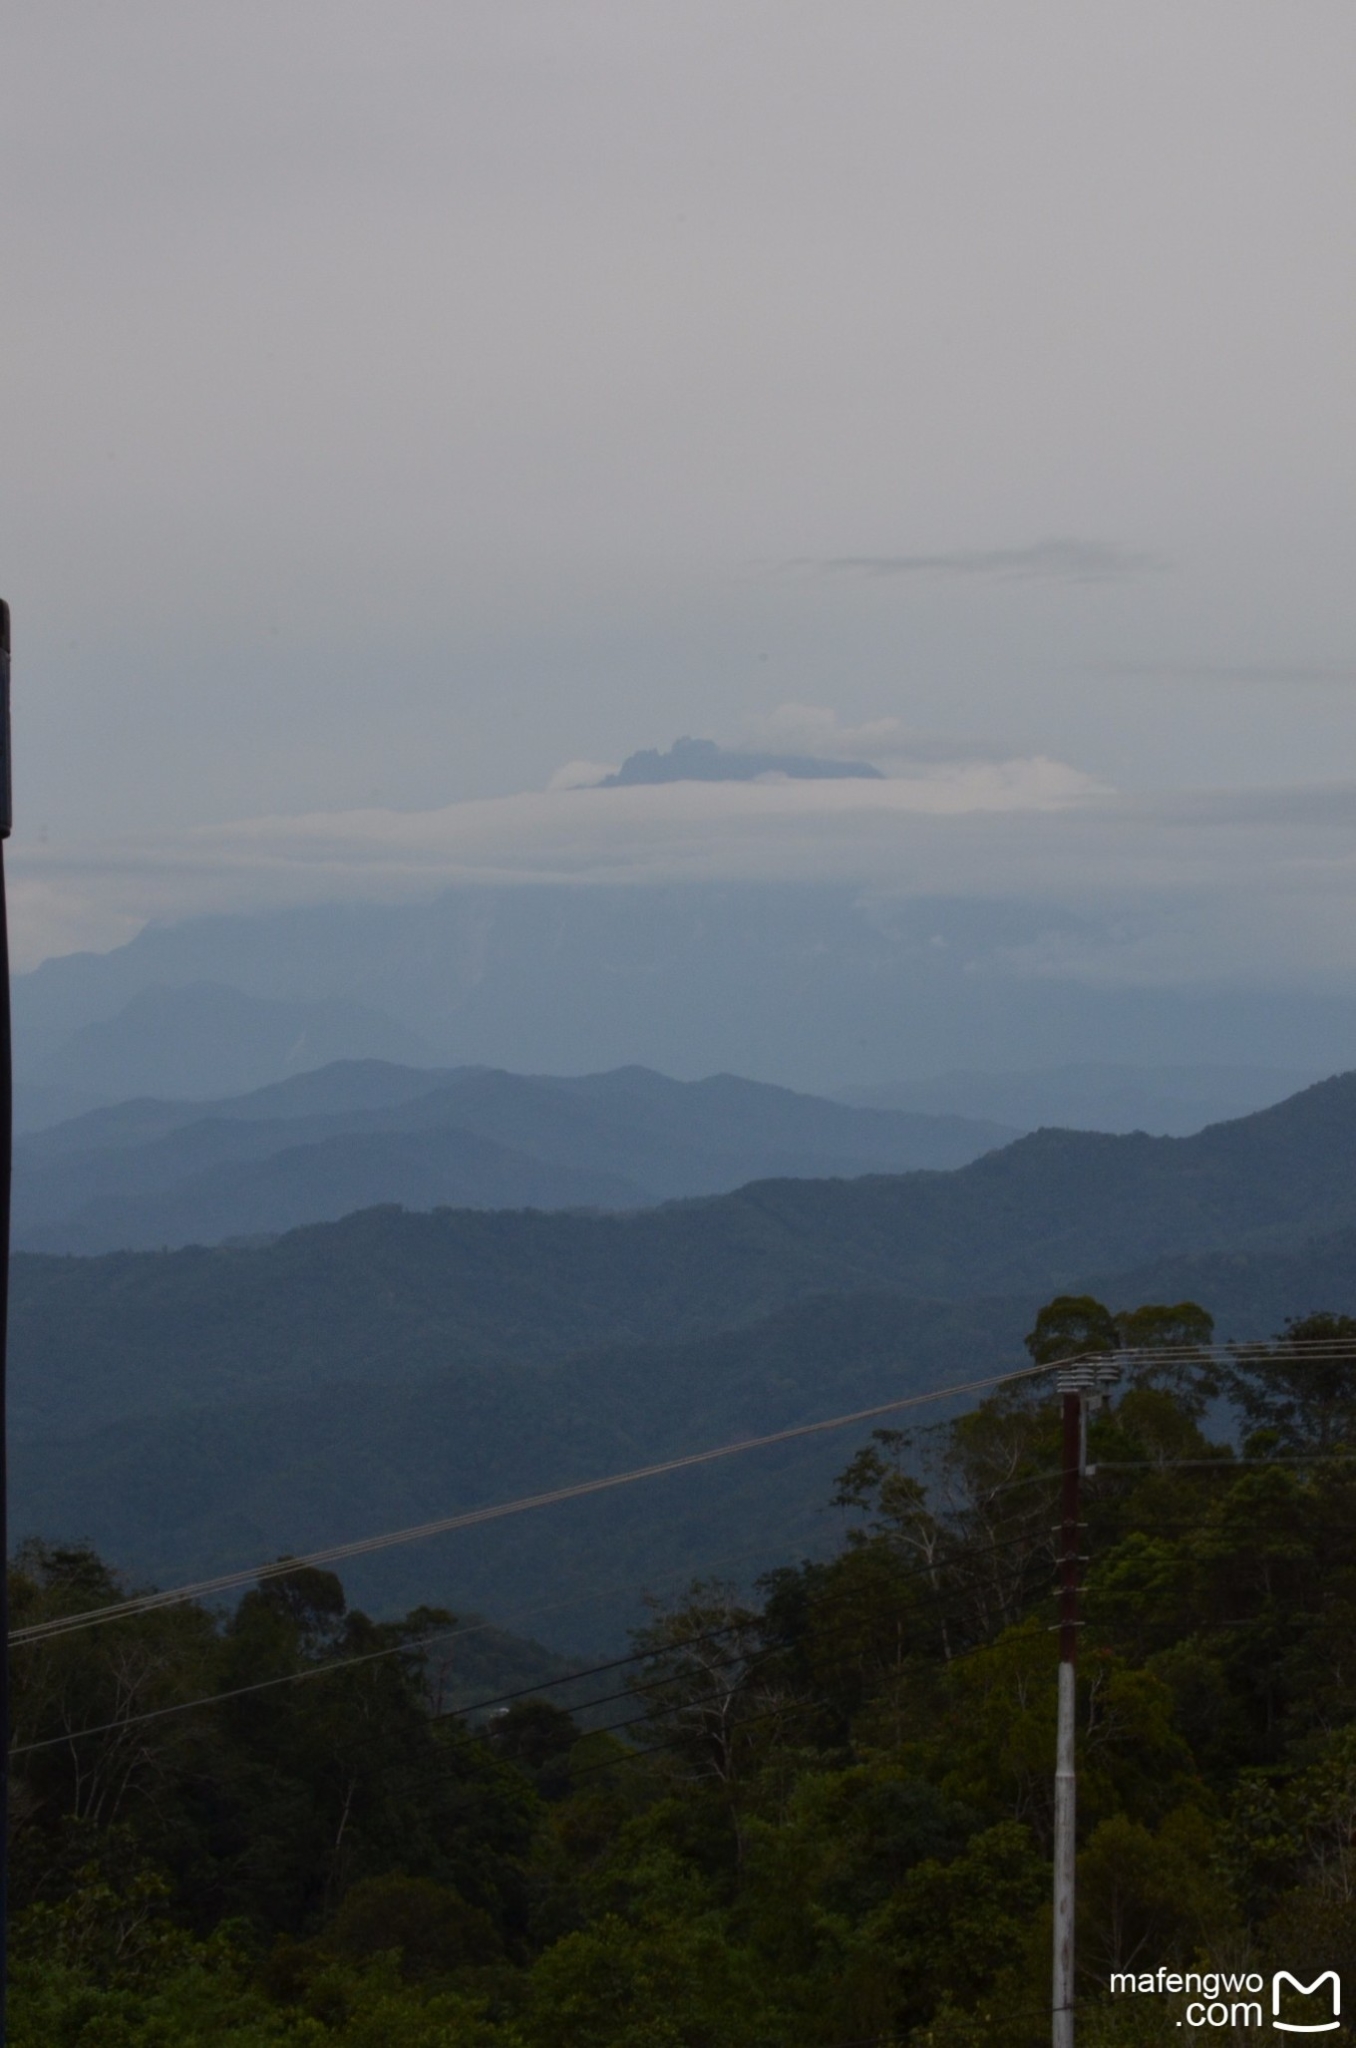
817, 1810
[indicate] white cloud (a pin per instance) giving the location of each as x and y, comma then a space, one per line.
767, 830
1250, 885
811, 729
889, 743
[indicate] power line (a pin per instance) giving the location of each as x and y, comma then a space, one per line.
283, 1567
408, 1644
326, 1670
209, 1699
930, 1603
1305, 1350
414, 1644
752, 1720
1226, 1464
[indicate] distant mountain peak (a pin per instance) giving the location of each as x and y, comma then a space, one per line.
689, 760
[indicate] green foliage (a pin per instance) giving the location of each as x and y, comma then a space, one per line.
829, 1816
1069, 1326
667, 1985
1151, 1895
429, 1926
1184, 1326
1300, 1405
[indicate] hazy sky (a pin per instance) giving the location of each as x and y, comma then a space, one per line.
401, 403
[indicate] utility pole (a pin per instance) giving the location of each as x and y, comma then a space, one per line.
6, 1146
1081, 1383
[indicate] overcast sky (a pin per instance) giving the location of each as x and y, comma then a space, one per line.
402, 403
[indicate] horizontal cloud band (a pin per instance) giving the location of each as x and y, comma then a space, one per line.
1204, 885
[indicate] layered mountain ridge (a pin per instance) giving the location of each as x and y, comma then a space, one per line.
204, 1408
313, 1148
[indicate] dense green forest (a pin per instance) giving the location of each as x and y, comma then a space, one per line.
816, 1814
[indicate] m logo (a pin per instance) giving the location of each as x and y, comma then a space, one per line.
1306, 1991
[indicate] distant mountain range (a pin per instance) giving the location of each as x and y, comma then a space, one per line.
154, 1173
202, 1038
1094, 1095
201, 1408
819, 988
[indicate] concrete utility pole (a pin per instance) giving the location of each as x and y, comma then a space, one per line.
1081, 1383
6, 1141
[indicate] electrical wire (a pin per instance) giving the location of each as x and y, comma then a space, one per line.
752, 1720
63, 1625
408, 1644
1251, 1351
414, 1644
145, 1603
461, 1736
1225, 1464
1316, 1350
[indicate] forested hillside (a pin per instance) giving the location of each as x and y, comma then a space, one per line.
1032, 1215
822, 1815
206, 1408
